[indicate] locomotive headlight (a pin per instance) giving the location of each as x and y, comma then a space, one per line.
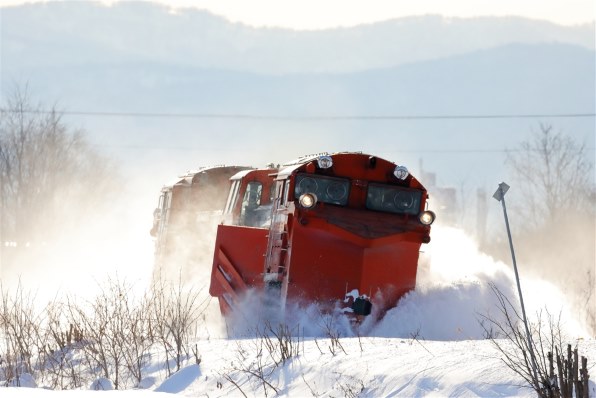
427, 217
324, 162
308, 200
401, 172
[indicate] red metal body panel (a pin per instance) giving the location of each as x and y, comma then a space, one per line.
237, 262
326, 263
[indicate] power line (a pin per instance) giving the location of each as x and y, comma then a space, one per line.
195, 149
243, 116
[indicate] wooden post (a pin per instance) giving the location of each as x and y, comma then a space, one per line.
561, 371
553, 389
569, 372
576, 381
585, 378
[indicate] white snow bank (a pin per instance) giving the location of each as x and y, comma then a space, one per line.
454, 288
371, 367
102, 384
180, 380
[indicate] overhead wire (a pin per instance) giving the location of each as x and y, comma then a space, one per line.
240, 116
249, 116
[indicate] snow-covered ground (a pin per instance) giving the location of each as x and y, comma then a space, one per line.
431, 344
371, 367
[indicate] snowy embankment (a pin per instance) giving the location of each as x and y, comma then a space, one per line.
371, 367
431, 344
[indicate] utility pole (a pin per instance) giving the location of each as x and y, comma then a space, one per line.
500, 196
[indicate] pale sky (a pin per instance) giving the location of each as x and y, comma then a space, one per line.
321, 14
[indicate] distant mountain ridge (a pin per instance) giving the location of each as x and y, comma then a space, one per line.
517, 78
78, 33
109, 65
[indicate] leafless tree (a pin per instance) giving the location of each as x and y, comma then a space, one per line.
49, 174
555, 202
554, 177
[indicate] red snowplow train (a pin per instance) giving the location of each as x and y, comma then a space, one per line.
340, 230
188, 208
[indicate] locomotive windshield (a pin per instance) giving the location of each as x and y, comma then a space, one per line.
328, 189
393, 199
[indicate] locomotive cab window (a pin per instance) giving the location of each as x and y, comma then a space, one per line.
272, 191
279, 189
232, 197
161, 207
167, 201
251, 215
393, 199
160, 202
331, 190
286, 192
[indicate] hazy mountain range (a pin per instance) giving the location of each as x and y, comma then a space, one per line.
193, 60
140, 57
82, 33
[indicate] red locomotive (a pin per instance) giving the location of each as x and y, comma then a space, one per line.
187, 215
343, 228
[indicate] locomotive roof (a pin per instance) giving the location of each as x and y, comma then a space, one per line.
241, 174
192, 173
289, 167
309, 158
244, 173
187, 177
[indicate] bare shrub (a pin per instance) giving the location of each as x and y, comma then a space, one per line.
116, 333
69, 344
19, 324
273, 347
139, 337
258, 367
313, 392
280, 342
63, 368
174, 312
350, 387
546, 340
334, 337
